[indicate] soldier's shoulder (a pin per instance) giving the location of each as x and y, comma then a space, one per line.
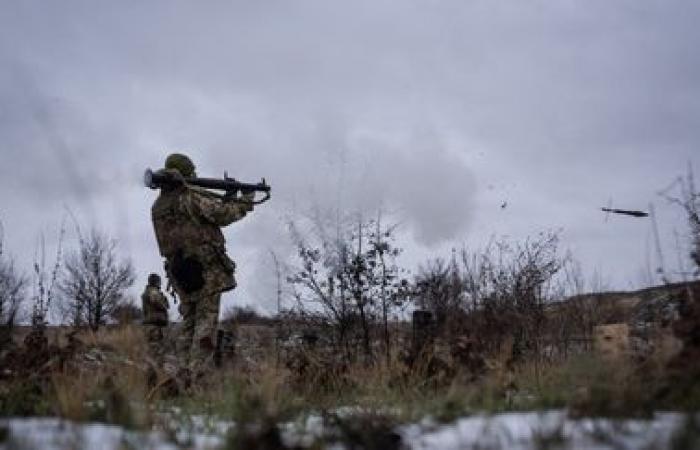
151, 291
203, 198
168, 200
164, 197
200, 192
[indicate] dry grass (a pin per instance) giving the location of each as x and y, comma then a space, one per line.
589, 385
115, 389
72, 394
106, 383
127, 340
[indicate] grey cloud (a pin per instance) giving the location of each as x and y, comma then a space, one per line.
48, 146
417, 107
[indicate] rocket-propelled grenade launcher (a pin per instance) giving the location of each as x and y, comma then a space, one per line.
230, 186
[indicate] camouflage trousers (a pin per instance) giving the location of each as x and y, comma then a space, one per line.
155, 338
196, 341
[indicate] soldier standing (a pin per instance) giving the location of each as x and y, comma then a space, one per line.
187, 221
155, 314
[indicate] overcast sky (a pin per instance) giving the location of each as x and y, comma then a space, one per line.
438, 111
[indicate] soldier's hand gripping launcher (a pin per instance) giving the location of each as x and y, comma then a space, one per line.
231, 187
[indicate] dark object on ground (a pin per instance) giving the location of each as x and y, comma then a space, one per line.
423, 331
263, 436
225, 346
367, 431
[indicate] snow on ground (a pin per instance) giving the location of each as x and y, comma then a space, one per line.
528, 430
532, 430
56, 434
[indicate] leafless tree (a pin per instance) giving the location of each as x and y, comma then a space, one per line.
688, 198
93, 282
347, 280
389, 285
439, 287
12, 292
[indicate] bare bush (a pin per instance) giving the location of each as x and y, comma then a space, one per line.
127, 313
496, 294
246, 315
580, 308
688, 198
44, 282
439, 288
93, 282
348, 280
12, 292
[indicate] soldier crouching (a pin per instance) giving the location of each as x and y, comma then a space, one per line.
155, 315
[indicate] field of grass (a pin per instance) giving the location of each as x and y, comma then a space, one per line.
108, 377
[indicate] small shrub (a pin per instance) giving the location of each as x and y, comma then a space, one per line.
24, 398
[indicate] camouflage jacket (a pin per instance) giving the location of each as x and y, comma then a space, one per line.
155, 307
187, 222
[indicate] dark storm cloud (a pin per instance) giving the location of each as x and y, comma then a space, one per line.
436, 111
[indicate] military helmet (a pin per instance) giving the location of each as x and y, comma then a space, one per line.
181, 163
154, 279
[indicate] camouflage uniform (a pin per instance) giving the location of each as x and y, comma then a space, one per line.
155, 316
187, 222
